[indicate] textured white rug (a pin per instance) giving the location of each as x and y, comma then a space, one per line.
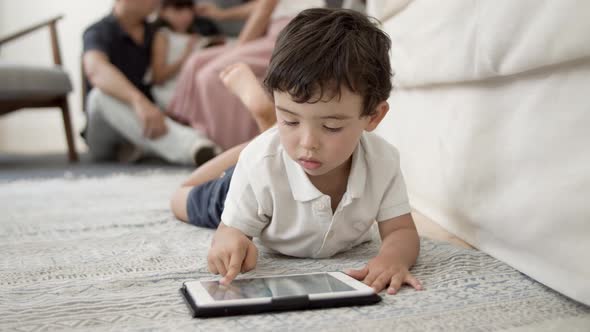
106, 254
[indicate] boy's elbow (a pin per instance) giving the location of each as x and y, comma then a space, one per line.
178, 204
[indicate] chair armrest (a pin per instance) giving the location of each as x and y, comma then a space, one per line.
30, 29
51, 23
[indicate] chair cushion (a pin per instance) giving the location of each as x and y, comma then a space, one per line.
19, 81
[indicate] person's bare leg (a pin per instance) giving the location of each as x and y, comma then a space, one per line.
242, 82
210, 170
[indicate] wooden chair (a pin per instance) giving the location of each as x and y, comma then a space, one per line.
25, 86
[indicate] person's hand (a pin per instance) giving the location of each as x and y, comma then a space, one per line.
210, 10
231, 252
151, 118
381, 272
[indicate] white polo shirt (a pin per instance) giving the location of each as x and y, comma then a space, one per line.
271, 198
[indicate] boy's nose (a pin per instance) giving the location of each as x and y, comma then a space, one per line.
309, 141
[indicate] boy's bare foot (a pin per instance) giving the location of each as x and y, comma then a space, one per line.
242, 82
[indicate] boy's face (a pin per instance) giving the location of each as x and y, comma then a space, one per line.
322, 136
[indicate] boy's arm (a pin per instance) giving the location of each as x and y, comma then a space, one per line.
400, 240
398, 253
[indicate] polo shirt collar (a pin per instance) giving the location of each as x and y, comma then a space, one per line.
302, 188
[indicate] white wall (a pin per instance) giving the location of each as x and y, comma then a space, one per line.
41, 130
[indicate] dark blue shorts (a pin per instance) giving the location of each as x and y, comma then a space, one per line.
205, 203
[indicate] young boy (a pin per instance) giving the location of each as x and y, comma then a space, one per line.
314, 185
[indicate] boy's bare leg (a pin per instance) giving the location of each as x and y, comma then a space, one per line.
210, 170
242, 82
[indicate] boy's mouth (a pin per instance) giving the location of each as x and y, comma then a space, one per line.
309, 163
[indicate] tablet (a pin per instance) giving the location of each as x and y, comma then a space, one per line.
209, 298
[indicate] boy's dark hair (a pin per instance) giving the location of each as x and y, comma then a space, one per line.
322, 49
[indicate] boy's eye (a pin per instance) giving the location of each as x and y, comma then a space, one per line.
290, 123
333, 129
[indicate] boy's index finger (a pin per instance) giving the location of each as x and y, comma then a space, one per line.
234, 267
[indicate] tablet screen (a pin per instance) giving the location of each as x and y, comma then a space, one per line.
276, 287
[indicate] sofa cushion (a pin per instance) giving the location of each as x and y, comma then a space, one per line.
440, 42
502, 163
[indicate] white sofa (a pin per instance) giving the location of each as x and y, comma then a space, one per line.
491, 114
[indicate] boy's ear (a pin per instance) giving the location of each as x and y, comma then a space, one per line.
376, 117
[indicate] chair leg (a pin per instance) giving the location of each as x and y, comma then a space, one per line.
65, 112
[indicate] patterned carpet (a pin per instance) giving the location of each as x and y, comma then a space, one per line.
106, 254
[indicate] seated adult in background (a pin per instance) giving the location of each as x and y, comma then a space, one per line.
121, 112
202, 100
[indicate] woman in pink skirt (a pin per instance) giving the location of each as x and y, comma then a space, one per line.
202, 100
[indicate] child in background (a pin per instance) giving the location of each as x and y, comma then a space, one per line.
180, 33
315, 184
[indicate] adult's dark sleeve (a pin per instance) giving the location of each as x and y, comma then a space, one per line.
95, 38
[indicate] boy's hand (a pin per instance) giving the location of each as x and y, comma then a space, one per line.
231, 253
380, 272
